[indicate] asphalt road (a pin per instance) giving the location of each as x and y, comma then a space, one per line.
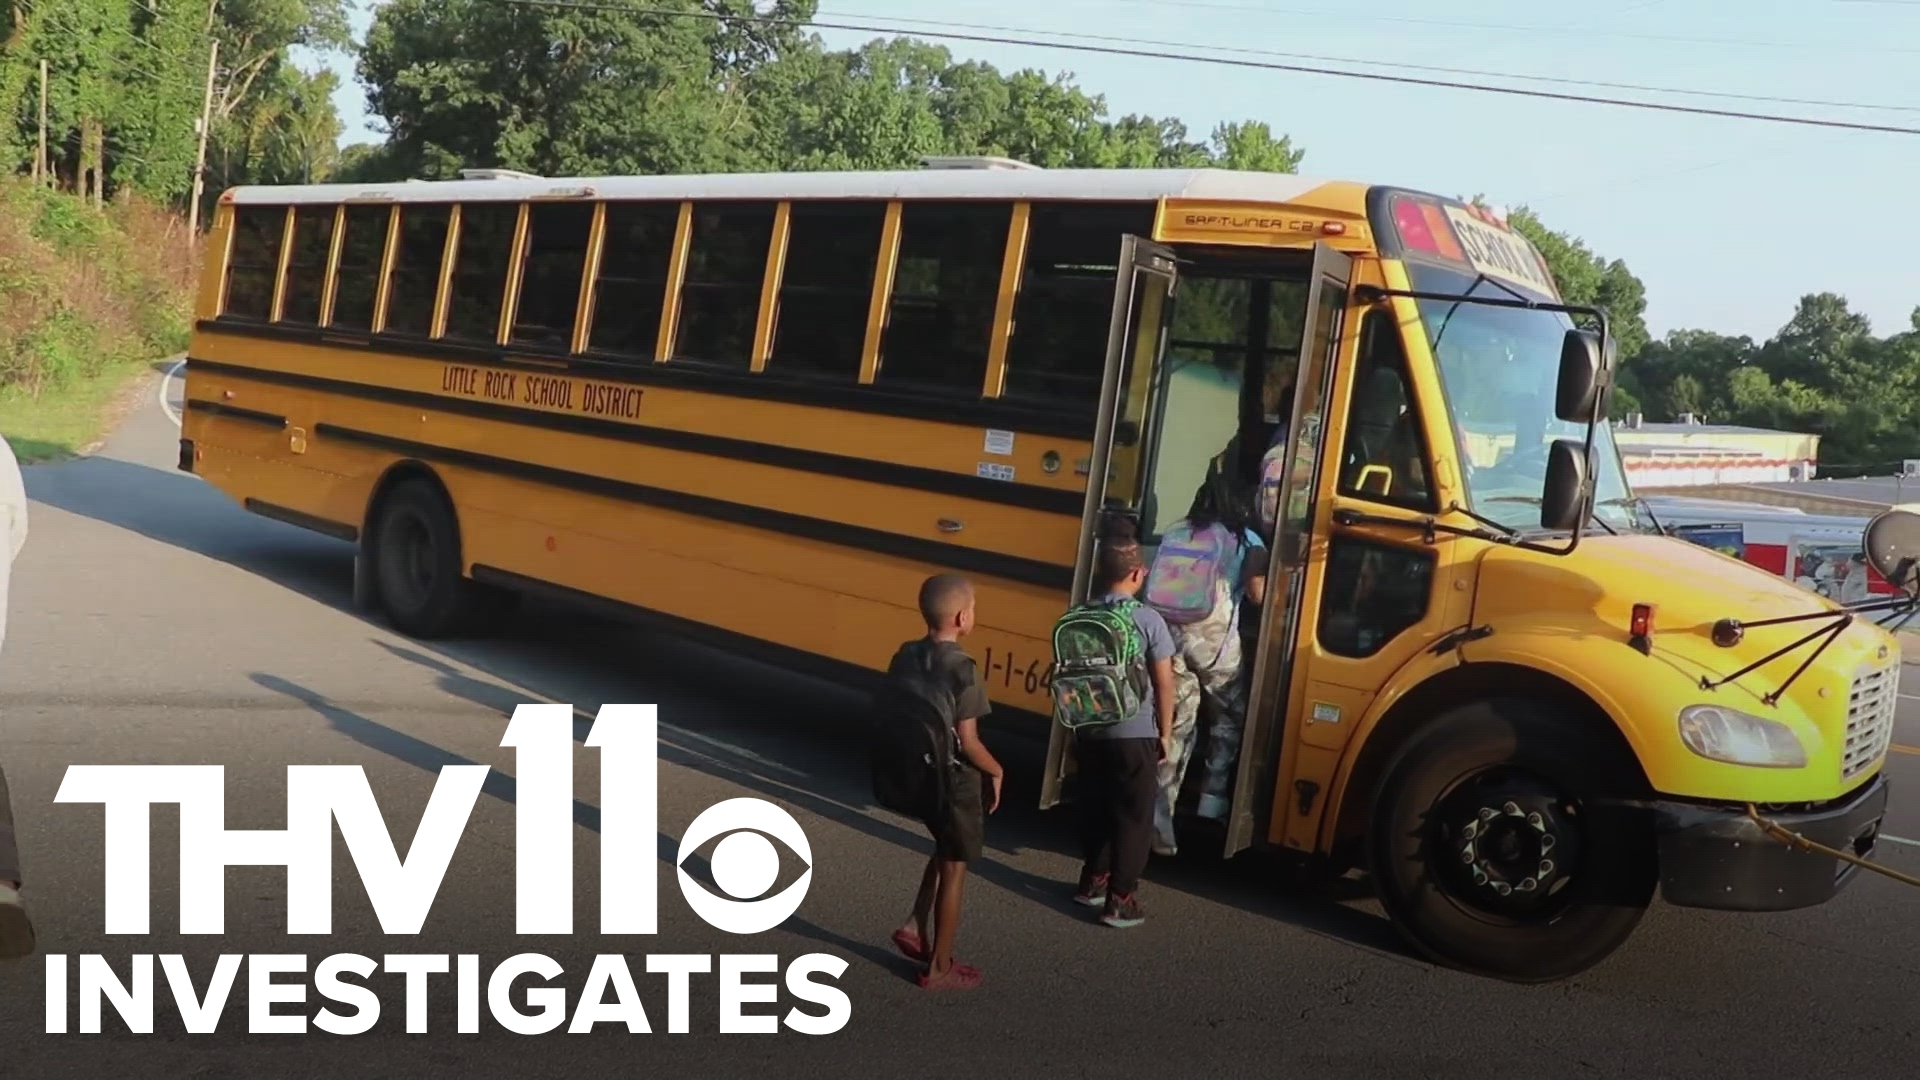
155, 622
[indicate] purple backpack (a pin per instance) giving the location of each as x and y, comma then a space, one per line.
1186, 571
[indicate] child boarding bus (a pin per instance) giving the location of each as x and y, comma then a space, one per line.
767, 406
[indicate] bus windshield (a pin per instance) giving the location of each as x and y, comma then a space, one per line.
1499, 368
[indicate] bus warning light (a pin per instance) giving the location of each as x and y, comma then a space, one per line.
1642, 628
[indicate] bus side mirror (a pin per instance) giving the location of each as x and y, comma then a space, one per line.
1563, 500
1584, 363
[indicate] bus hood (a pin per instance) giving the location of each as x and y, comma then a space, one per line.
1583, 603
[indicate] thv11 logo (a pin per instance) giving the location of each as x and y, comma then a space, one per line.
744, 864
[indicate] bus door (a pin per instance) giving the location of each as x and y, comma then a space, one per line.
1273, 659
1117, 469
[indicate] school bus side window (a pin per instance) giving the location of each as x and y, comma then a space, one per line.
307, 264
1385, 457
416, 269
726, 267
821, 323
254, 262
631, 286
1059, 344
363, 243
480, 266
945, 285
550, 274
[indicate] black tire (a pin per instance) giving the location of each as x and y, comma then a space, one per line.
1455, 881
416, 558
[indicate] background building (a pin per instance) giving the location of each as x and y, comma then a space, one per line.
1690, 454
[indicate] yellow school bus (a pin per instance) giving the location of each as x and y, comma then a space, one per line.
767, 406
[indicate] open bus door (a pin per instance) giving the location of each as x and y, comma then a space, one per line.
1282, 623
1136, 338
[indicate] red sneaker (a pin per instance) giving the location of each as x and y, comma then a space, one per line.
958, 977
908, 941
1092, 891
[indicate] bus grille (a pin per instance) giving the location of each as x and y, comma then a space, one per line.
1870, 706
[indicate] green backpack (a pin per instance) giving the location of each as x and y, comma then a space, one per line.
1099, 665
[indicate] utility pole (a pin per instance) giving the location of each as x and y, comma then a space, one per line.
200, 158
42, 168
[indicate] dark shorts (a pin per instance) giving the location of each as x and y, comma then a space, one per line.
959, 835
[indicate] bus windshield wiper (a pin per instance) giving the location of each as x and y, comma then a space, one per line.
1500, 527
1641, 502
1427, 525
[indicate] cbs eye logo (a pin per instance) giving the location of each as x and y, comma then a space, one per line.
744, 864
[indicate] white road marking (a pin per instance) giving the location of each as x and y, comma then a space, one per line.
1900, 840
166, 381
1911, 697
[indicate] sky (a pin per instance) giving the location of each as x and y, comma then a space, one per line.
1727, 221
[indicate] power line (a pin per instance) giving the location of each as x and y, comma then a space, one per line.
1695, 110
1480, 73
1413, 20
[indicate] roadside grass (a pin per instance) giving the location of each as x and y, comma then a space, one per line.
66, 420
89, 297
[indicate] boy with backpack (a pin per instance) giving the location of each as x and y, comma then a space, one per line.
928, 762
1113, 687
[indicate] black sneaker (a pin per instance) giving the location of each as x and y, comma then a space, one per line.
1093, 890
1123, 912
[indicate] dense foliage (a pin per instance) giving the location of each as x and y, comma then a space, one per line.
567, 91
85, 292
126, 82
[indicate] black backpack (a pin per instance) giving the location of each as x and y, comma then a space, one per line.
911, 748
1223, 495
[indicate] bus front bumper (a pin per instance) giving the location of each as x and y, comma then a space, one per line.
1718, 857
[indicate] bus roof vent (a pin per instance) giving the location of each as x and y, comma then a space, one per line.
975, 162
497, 174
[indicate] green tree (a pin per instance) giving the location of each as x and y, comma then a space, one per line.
1254, 147
287, 133
126, 80
1626, 397
561, 91
468, 83
1686, 372
875, 107
1870, 384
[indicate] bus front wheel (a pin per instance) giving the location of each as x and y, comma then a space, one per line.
417, 562
1493, 852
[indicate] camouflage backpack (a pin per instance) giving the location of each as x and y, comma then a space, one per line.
1100, 665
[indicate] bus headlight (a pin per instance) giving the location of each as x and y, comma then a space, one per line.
1718, 733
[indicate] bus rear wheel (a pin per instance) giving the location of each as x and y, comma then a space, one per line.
1493, 852
417, 562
